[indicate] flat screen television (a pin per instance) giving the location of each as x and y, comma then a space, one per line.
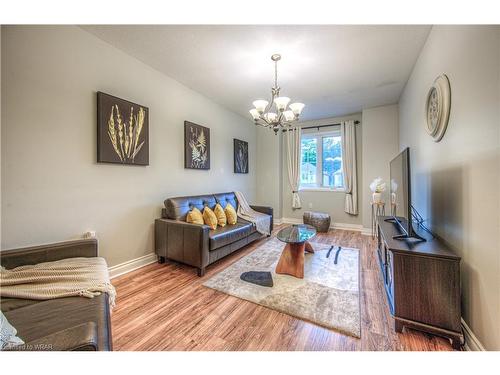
400, 187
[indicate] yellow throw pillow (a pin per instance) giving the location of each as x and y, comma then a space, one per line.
230, 214
209, 218
195, 217
221, 216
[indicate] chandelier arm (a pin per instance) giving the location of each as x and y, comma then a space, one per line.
270, 105
263, 122
278, 119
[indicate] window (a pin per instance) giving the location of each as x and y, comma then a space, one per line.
321, 161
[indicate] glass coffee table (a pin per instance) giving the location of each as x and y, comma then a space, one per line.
296, 238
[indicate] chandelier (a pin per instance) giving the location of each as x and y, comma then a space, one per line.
274, 114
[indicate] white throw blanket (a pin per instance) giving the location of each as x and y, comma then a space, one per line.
261, 221
86, 277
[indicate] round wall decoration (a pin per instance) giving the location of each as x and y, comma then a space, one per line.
437, 107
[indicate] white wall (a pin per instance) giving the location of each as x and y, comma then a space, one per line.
380, 146
455, 183
269, 170
52, 187
332, 202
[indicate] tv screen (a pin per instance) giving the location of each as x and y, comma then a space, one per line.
400, 191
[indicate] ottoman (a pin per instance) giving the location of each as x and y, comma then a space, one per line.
319, 220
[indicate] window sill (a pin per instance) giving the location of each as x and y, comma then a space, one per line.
320, 189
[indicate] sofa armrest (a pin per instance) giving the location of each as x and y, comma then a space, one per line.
184, 242
82, 337
48, 253
265, 210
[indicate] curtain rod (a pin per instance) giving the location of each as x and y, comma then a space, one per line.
323, 126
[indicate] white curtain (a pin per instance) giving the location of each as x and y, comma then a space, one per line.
293, 159
348, 133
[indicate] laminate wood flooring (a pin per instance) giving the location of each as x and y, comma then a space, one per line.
166, 307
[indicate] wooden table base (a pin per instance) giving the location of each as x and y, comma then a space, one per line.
292, 259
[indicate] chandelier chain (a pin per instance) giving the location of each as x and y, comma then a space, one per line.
276, 74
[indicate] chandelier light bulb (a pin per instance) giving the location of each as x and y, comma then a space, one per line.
289, 116
281, 103
255, 114
271, 117
260, 105
297, 108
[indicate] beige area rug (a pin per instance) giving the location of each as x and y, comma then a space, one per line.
328, 295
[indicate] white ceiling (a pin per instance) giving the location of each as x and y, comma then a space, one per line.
334, 70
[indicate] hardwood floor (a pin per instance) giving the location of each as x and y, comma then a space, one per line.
166, 307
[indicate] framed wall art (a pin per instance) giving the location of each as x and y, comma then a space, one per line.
122, 131
240, 156
196, 146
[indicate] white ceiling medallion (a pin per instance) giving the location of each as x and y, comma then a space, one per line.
437, 107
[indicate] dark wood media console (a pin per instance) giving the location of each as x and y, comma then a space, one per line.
422, 282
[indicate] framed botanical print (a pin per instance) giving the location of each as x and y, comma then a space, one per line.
122, 131
196, 146
240, 156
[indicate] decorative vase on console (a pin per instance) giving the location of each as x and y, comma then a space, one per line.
377, 187
377, 197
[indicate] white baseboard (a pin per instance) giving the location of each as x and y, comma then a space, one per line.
277, 221
343, 226
290, 220
131, 265
472, 343
366, 231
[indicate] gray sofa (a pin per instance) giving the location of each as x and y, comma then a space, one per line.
198, 245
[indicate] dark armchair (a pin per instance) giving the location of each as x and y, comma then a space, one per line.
71, 323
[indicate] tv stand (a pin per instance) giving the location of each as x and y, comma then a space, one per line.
422, 282
404, 236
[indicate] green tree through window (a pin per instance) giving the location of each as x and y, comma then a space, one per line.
308, 170
321, 161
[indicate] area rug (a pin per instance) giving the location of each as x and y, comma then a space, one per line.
328, 295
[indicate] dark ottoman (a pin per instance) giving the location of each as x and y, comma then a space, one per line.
319, 220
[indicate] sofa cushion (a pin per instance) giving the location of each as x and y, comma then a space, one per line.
224, 198
230, 233
178, 208
220, 214
231, 215
195, 217
209, 218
